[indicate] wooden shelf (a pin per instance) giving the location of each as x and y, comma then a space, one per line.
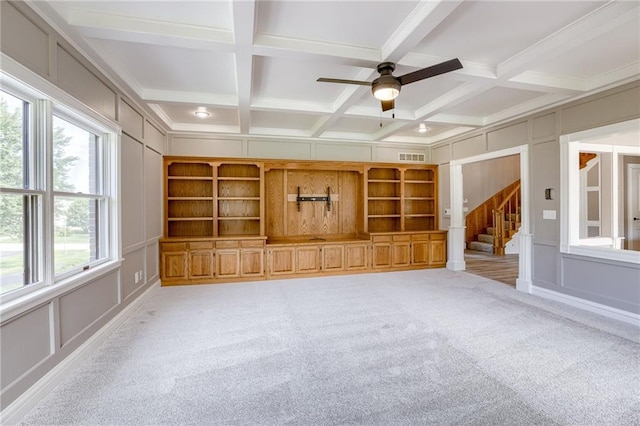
190, 178
171, 219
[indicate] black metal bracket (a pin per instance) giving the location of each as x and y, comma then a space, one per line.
326, 199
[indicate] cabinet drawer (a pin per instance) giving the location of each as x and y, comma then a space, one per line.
420, 237
381, 238
174, 246
405, 238
227, 244
439, 237
252, 243
201, 245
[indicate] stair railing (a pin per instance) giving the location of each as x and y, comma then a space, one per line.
506, 217
478, 219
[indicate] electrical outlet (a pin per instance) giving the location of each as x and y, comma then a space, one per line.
140, 274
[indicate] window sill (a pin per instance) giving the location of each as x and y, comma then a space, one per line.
14, 307
606, 253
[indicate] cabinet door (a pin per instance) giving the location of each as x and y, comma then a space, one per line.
228, 263
333, 257
307, 259
356, 257
438, 253
401, 253
282, 261
174, 265
201, 264
381, 257
252, 262
420, 250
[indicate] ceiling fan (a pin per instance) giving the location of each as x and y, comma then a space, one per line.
387, 87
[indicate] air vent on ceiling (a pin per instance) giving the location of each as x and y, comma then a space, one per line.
410, 156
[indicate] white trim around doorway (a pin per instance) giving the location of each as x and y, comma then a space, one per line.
456, 235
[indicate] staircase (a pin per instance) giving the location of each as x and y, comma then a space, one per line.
491, 226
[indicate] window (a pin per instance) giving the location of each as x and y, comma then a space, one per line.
58, 210
20, 197
594, 202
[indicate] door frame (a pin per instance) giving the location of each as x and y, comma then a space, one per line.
630, 212
456, 234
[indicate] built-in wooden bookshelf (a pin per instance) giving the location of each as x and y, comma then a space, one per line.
234, 219
401, 199
189, 199
239, 195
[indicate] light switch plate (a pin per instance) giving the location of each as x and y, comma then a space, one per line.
549, 214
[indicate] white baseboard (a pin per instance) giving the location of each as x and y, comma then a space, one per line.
587, 305
14, 413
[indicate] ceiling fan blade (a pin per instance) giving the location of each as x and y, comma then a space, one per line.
387, 105
340, 80
432, 71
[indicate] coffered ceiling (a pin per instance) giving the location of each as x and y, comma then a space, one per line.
253, 65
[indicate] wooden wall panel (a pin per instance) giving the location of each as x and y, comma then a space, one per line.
607, 109
274, 205
23, 40
80, 82
131, 121
507, 137
544, 127
313, 217
25, 343
469, 147
348, 202
154, 138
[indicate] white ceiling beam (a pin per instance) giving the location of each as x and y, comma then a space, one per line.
618, 76
421, 21
137, 30
470, 70
243, 25
287, 105
157, 95
460, 120
593, 25
285, 47
530, 80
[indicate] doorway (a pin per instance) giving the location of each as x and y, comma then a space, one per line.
488, 186
456, 236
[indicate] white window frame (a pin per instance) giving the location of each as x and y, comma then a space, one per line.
47, 99
570, 147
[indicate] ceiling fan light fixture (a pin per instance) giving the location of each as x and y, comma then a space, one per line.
385, 88
386, 93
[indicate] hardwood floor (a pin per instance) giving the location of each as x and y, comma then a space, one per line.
499, 268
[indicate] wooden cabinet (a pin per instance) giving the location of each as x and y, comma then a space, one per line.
201, 260
174, 261
401, 251
356, 256
438, 250
318, 218
282, 260
332, 257
395, 251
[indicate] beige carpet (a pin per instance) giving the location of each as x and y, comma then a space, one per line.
404, 348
